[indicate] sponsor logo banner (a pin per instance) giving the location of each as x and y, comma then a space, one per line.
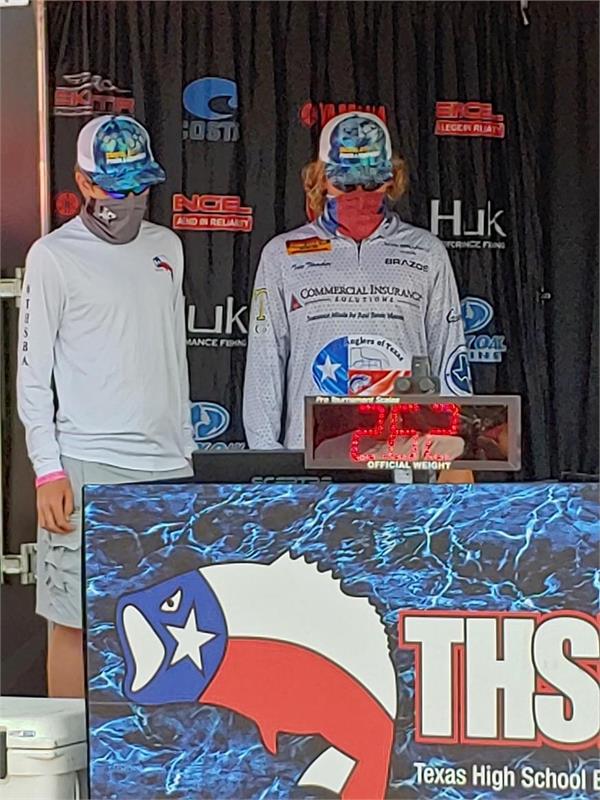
212, 107
483, 348
467, 229
210, 421
365, 641
319, 114
211, 212
86, 95
453, 118
226, 325
67, 204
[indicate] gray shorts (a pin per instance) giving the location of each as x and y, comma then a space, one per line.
58, 596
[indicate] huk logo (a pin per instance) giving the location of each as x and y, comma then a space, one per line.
213, 105
468, 119
516, 679
226, 327
462, 231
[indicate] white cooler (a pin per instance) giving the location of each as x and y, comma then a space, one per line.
43, 750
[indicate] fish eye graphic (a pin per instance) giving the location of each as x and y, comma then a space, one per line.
172, 603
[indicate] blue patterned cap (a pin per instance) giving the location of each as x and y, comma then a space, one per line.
115, 152
356, 148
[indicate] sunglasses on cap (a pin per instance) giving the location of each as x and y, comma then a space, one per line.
123, 195
351, 187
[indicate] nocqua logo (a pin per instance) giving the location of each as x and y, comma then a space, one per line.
477, 313
213, 103
209, 420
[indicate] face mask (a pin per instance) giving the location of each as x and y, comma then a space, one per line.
356, 214
115, 221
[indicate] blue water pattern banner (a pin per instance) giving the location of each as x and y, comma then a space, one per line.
260, 641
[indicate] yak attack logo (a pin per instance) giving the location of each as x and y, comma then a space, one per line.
468, 119
213, 105
477, 313
275, 643
504, 678
211, 212
87, 95
209, 421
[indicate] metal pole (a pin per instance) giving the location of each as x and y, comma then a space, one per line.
42, 93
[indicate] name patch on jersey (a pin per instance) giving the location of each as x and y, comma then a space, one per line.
312, 245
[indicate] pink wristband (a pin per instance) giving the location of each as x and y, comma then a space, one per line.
51, 476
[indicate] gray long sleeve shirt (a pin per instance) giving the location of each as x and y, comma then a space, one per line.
331, 316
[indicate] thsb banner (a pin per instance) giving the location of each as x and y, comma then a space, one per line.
315, 641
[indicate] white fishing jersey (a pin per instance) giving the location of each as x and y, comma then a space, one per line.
332, 316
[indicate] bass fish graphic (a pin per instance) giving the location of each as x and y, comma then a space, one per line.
280, 644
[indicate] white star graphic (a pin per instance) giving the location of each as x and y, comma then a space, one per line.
189, 640
328, 369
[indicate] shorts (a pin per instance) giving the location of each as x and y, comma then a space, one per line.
58, 594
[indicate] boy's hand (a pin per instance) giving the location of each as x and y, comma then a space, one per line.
55, 506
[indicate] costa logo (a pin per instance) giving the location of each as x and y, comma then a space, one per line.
214, 212
513, 679
212, 104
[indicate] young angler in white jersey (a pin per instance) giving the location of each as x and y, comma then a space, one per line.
343, 303
102, 316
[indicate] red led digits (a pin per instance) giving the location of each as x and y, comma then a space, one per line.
398, 428
449, 430
359, 434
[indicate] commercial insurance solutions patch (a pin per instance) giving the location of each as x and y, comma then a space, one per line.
373, 641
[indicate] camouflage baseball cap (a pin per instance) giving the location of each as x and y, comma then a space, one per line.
356, 148
115, 152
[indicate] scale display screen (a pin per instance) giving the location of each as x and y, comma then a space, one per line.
417, 432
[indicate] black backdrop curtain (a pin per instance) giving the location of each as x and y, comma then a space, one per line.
524, 207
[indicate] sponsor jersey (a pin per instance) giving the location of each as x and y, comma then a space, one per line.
106, 322
336, 317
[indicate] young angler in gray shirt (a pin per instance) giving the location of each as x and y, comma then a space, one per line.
102, 315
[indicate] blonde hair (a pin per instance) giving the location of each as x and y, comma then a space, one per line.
314, 181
